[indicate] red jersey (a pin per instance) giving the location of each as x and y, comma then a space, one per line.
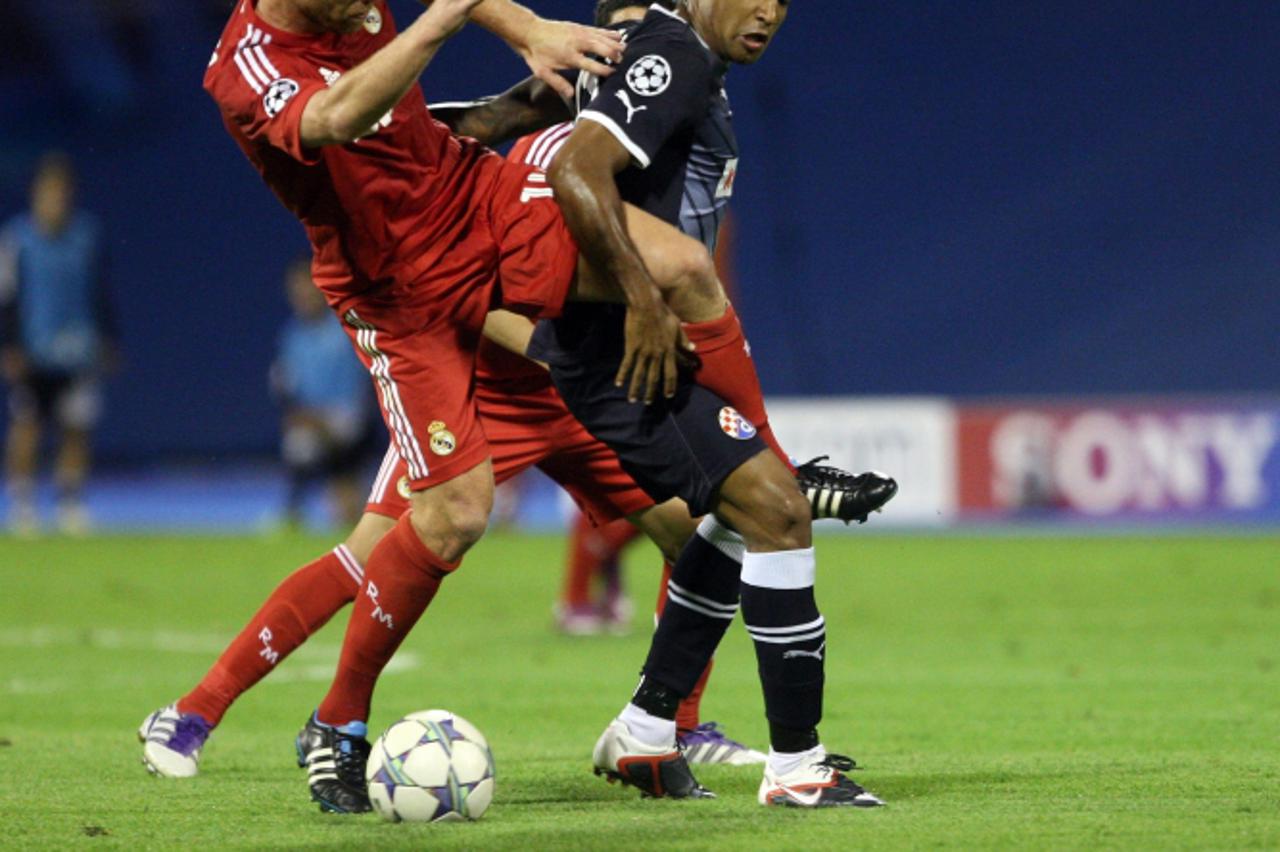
497, 368
381, 212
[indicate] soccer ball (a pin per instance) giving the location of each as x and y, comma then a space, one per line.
431, 766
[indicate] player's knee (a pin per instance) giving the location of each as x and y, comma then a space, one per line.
692, 289
470, 522
769, 509
785, 517
448, 527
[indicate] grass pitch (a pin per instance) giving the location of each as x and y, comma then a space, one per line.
1009, 692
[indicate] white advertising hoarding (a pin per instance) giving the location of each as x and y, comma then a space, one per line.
911, 439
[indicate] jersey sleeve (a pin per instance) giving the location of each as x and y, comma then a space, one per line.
660, 88
262, 91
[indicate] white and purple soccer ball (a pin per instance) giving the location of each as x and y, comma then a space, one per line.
431, 766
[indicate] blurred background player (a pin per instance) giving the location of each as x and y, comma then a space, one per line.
328, 404
593, 598
57, 336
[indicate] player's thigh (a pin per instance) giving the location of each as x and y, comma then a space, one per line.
537, 257
593, 475
521, 429
681, 447
423, 377
673, 259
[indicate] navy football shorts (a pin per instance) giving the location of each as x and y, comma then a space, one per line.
683, 447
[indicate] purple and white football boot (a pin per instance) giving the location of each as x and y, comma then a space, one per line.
171, 742
708, 744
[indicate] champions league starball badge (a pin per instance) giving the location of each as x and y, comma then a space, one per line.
403, 489
373, 22
735, 425
278, 94
649, 76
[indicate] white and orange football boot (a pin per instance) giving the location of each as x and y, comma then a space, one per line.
820, 782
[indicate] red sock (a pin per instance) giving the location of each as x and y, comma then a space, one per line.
298, 607
727, 369
591, 548
582, 564
690, 707
662, 590
399, 582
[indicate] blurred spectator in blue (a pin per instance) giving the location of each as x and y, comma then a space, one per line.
57, 337
328, 403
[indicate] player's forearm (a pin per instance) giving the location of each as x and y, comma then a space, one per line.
506, 19
510, 331
362, 96
527, 107
594, 212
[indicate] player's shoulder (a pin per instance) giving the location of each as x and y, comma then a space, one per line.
662, 27
249, 57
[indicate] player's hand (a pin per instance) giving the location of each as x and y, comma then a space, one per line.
449, 16
553, 45
654, 339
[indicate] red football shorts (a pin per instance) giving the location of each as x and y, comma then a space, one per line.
419, 341
525, 430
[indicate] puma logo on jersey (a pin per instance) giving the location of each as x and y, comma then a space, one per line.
626, 102
817, 655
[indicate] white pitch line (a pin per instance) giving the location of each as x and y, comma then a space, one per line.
167, 641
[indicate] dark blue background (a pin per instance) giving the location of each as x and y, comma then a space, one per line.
935, 197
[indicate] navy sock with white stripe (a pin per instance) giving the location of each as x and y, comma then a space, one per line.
790, 636
702, 599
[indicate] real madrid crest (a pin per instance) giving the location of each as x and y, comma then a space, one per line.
373, 22
442, 440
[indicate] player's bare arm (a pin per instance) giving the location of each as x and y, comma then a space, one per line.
345, 111
550, 45
583, 178
509, 330
527, 107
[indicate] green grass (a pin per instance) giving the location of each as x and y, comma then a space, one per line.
1008, 692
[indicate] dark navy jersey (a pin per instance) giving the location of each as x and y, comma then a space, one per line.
666, 105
